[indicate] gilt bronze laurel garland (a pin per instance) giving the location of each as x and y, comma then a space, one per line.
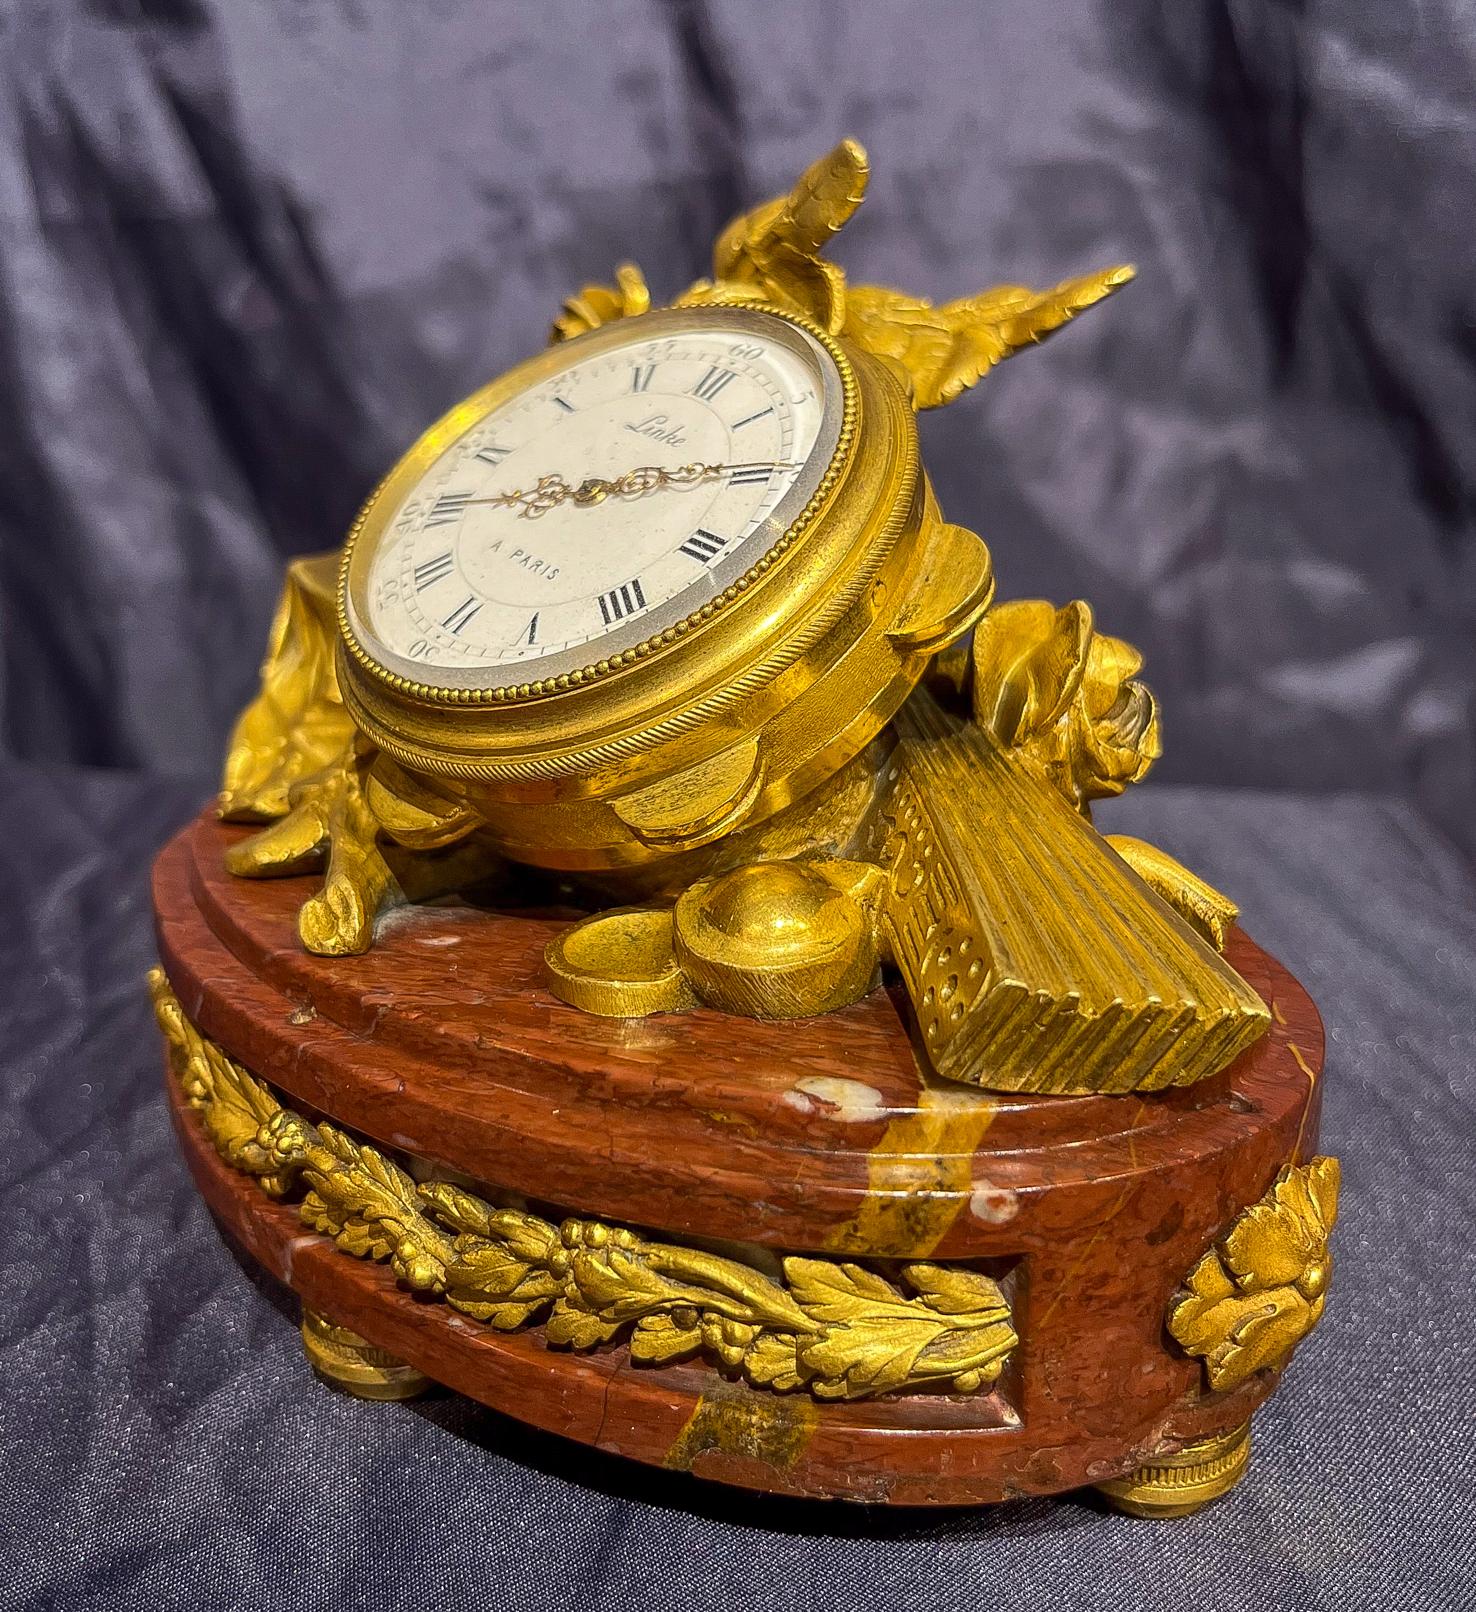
837, 1330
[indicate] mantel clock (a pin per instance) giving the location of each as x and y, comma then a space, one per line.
713, 985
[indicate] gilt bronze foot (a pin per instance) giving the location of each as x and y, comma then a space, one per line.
353, 1364
1175, 1485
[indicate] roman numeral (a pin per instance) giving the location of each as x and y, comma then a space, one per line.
532, 637
448, 507
702, 545
462, 614
491, 454
749, 476
712, 383
640, 377
432, 570
752, 417
622, 601
564, 404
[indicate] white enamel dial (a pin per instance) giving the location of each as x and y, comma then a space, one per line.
466, 586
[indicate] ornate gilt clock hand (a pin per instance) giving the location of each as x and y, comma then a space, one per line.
551, 491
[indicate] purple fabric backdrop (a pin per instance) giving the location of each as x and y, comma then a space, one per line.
249, 247
248, 251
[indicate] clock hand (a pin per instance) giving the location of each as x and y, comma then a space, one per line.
551, 491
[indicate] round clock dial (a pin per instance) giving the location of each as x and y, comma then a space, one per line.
602, 503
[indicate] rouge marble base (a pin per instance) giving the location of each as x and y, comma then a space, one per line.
756, 1140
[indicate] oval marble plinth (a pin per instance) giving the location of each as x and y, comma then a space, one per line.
801, 1136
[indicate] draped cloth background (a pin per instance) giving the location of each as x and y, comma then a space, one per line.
248, 248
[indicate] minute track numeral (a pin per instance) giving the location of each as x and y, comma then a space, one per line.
712, 383
462, 614
702, 545
430, 571
447, 508
623, 601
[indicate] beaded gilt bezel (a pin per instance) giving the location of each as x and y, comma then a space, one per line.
597, 670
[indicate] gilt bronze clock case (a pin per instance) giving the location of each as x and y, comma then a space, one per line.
769, 686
